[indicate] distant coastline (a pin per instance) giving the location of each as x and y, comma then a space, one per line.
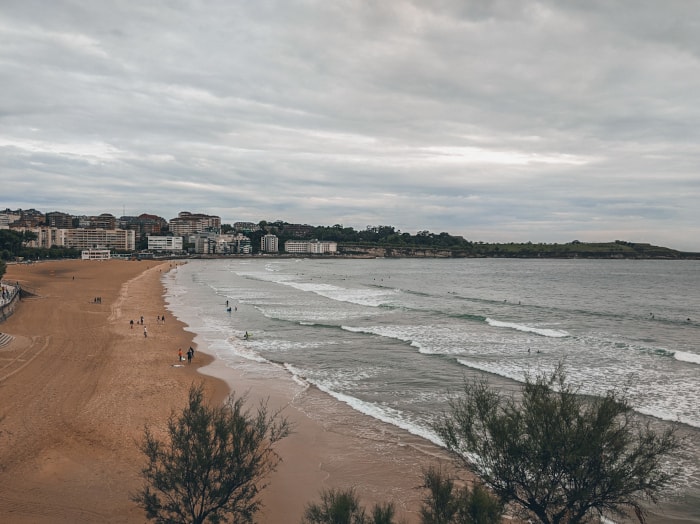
573, 250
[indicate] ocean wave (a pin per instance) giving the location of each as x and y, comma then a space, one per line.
551, 333
518, 374
384, 414
685, 356
396, 333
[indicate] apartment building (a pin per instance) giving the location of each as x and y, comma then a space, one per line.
119, 239
165, 244
269, 244
59, 220
188, 223
144, 224
314, 247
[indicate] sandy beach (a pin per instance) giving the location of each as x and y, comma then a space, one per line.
78, 383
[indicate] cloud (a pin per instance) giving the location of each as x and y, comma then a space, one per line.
517, 121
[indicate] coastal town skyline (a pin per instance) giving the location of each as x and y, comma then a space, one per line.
146, 224
496, 121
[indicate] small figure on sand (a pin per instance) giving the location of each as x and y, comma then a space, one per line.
131, 323
190, 354
179, 355
145, 332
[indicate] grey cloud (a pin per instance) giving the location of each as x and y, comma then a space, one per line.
503, 120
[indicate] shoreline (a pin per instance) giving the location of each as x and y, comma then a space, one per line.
78, 385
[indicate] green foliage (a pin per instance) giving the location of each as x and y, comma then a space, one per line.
213, 463
13, 245
343, 507
557, 455
3, 268
446, 504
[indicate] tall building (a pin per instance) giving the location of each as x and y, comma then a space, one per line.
104, 221
188, 223
59, 220
144, 224
269, 244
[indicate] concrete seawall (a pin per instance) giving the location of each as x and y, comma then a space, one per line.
8, 305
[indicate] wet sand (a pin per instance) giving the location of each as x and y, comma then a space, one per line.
78, 384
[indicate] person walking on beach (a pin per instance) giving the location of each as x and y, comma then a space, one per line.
189, 356
179, 354
145, 332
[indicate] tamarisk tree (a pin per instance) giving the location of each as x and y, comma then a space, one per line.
557, 455
213, 463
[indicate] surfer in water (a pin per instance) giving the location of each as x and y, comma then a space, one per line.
246, 336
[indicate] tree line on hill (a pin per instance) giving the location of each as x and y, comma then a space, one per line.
381, 241
396, 243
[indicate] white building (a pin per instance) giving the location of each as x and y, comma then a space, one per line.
120, 239
95, 254
315, 247
165, 243
269, 244
47, 237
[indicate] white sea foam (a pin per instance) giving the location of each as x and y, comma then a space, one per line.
296, 376
382, 413
409, 334
684, 356
553, 333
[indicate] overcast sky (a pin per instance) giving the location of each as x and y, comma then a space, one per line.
495, 120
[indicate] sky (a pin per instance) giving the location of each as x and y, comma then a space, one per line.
501, 121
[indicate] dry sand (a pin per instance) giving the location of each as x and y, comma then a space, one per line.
77, 385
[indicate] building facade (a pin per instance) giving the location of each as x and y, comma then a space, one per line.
269, 244
165, 244
95, 254
188, 223
119, 239
59, 220
314, 247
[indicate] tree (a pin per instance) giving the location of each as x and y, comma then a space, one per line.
212, 465
3, 267
343, 507
557, 455
446, 504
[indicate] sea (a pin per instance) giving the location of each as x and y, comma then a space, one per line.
395, 339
